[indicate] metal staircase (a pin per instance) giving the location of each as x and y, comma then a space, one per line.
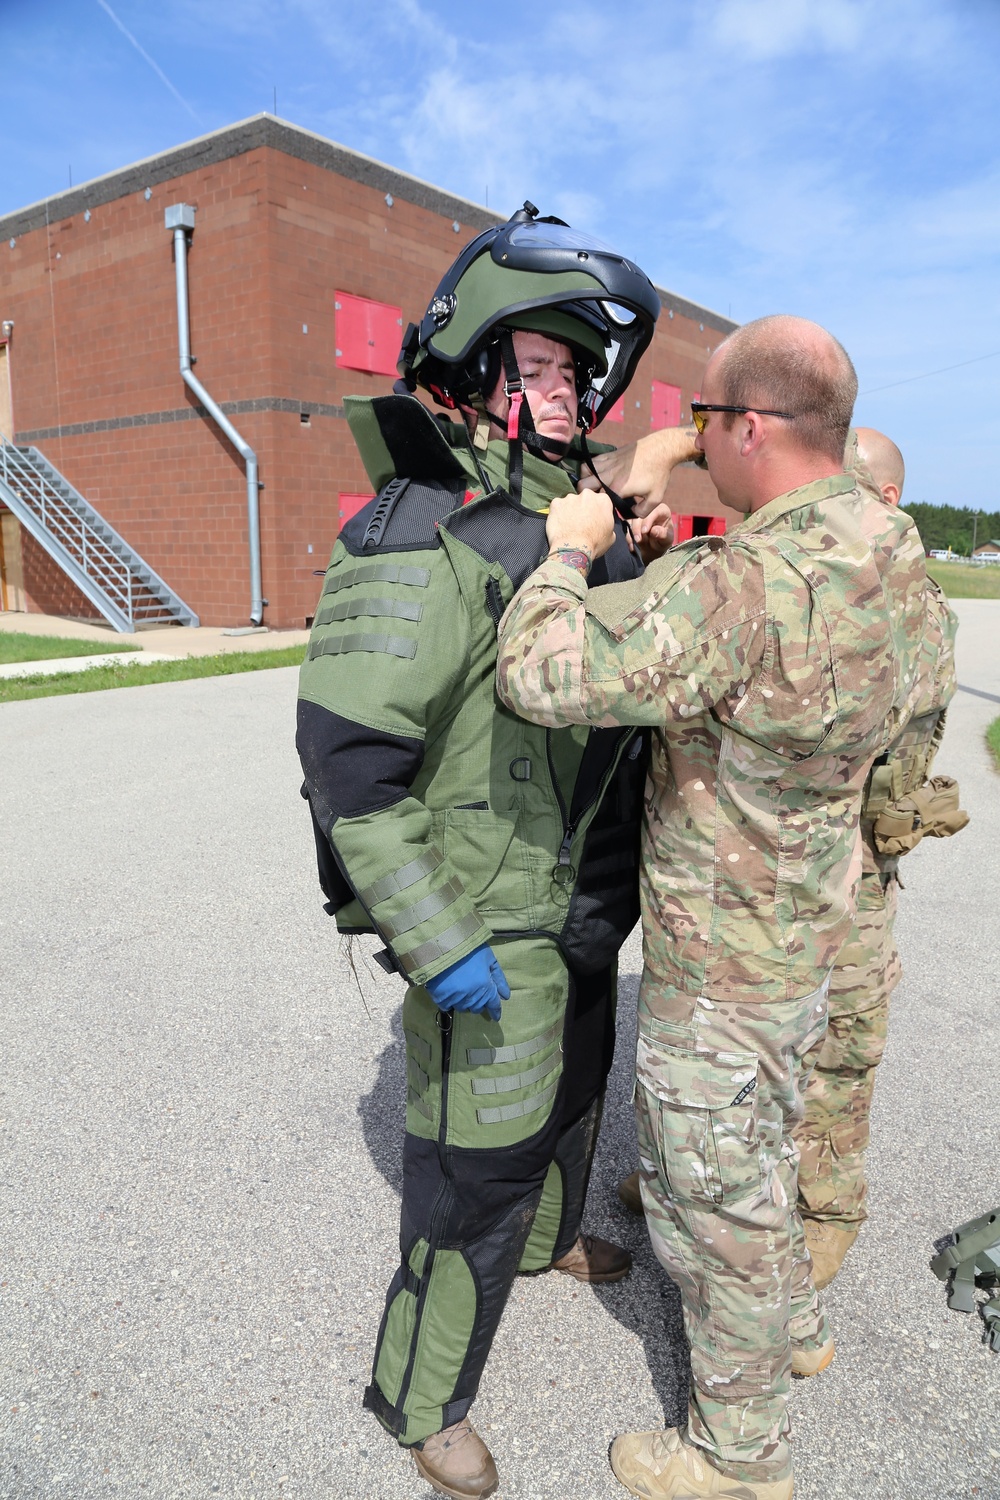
102, 565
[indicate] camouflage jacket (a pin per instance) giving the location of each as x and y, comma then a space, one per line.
908, 762
773, 665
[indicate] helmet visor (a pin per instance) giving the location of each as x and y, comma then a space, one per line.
557, 236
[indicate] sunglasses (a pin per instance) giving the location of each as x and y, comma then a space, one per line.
700, 410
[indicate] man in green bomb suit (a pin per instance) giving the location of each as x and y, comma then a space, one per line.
497, 861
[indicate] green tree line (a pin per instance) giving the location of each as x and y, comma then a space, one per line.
943, 526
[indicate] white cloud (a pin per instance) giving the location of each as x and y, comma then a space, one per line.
760, 29
835, 157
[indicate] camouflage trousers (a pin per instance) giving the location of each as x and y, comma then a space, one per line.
718, 1091
834, 1133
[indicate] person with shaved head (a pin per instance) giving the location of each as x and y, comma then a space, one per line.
883, 460
772, 667
833, 1136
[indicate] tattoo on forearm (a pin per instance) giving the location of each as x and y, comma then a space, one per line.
573, 557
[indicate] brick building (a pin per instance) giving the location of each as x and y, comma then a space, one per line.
306, 262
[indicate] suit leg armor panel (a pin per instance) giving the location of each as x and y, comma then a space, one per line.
475, 1171
589, 1053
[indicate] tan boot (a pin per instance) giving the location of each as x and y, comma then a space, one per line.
827, 1244
806, 1362
457, 1462
594, 1259
662, 1466
628, 1192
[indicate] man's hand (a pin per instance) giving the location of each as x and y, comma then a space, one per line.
653, 534
584, 522
641, 471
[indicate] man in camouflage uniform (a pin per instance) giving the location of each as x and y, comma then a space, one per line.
498, 862
772, 666
832, 1138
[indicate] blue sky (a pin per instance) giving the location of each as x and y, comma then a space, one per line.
834, 158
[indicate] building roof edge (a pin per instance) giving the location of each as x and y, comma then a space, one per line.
233, 140
295, 140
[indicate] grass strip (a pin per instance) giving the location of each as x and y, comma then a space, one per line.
966, 580
993, 740
99, 679
17, 645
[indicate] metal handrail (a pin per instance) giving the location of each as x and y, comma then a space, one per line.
110, 573
36, 491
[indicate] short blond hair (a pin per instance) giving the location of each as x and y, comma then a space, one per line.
782, 363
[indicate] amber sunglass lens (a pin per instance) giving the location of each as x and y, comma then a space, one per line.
698, 418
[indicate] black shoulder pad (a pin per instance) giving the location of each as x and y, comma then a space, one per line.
404, 517
502, 532
416, 444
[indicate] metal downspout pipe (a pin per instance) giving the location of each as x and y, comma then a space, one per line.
180, 220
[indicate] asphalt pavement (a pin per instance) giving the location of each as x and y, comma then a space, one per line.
199, 1151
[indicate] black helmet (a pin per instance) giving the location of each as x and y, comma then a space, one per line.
541, 275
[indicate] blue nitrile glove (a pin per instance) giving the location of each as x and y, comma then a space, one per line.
476, 982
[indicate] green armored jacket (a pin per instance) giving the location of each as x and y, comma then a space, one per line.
441, 818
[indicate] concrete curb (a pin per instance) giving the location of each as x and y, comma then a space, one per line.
54, 666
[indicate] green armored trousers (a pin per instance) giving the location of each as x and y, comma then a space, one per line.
502, 1120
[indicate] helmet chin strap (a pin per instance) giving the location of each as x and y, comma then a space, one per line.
519, 427
520, 432
623, 509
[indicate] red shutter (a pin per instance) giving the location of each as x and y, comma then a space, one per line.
368, 334
665, 405
617, 412
717, 525
683, 528
351, 504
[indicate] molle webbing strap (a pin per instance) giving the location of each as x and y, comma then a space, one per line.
384, 645
414, 1099
516, 1081
515, 1111
485, 1057
421, 1047
905, 765
391, 885
381, 572
972, 1249
936, 739
416, 1075
426, 953
350, 609
422, 911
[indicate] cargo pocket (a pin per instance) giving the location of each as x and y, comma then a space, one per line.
707, 1121
477, 844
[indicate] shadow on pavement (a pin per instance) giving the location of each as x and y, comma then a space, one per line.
382, 1112
646, 1303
